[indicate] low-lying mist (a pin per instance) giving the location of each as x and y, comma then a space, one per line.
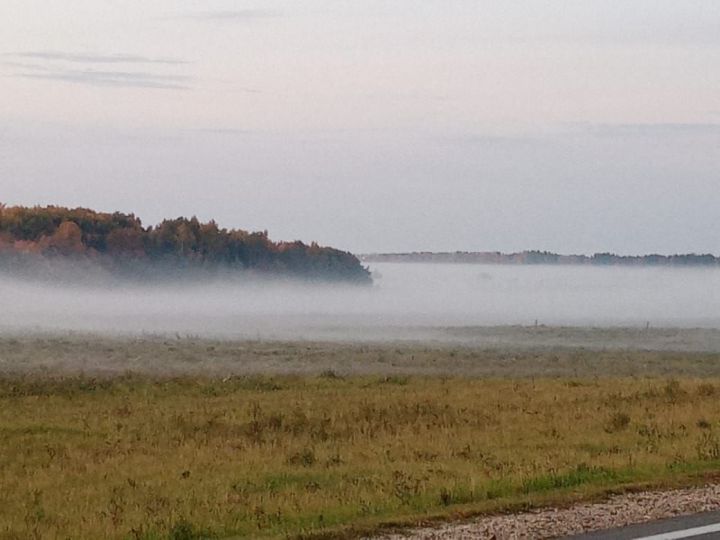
404, 297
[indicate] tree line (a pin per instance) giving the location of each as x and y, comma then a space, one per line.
546, 257
120, 238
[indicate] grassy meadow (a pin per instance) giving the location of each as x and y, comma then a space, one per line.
144, 456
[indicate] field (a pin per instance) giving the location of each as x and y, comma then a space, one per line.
185, 438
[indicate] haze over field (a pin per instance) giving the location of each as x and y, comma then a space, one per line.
404, 296
574, 127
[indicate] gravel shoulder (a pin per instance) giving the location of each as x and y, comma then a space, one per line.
617, 511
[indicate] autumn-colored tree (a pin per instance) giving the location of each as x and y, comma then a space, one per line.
66, 240
126, 242
119, 238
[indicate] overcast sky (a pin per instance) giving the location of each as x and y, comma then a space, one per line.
374, 125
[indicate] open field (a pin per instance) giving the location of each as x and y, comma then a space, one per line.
179, 450
471, 351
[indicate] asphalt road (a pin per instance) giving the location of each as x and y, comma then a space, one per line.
698, 526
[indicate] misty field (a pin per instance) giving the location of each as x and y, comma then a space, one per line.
321, 453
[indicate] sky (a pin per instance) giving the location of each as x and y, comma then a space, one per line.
572, 126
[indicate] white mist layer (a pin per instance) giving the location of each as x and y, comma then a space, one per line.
404, 296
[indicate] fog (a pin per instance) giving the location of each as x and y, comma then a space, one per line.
405, 301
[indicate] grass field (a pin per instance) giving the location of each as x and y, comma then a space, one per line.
186, 456
537, 352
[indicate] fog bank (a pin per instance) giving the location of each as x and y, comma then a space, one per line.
405, 297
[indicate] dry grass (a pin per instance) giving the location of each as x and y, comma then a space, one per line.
175, 356
144, 457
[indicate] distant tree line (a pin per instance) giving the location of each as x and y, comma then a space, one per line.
121, 239
545, 257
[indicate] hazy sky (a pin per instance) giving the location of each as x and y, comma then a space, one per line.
374, 125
